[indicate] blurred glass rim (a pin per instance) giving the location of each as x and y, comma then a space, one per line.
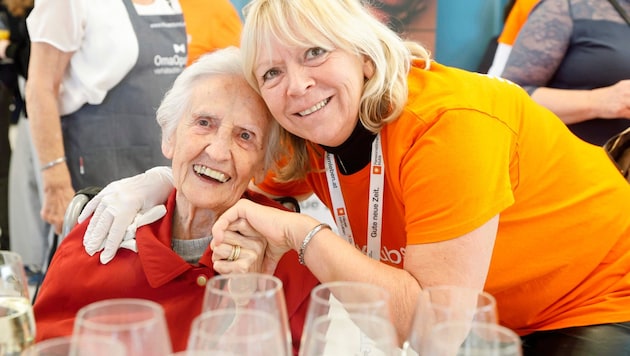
371, 294
224, 285
10, 257
99, 308
72, 344
376, 328
360, 318
13, 281
506, 336
489, 299
201, 323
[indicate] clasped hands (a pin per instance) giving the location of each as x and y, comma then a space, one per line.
125, 205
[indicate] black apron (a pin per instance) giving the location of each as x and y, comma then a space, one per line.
120, 137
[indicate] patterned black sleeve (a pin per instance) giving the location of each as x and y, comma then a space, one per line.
540, 45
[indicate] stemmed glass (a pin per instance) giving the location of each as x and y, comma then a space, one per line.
249, 291
77, 346
443, 303
17, 325
138, 323
236, 332
350, 334
473, 339
344, 306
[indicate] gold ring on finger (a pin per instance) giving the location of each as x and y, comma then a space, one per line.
236, 252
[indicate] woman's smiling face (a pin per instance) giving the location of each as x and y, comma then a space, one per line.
313, 92
220, 142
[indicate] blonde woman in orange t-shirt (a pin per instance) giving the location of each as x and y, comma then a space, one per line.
434, 175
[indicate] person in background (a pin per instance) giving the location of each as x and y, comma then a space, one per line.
219, 135
16, 48
6, 100
435, 175
14, 53
96, 74
210, 25
517, 15
572, 57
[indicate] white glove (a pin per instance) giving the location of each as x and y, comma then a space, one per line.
121, 207
111, 245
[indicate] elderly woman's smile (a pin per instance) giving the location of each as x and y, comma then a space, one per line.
208, 172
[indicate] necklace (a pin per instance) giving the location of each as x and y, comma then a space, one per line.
354, 153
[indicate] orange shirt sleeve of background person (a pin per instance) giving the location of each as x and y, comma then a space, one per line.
516, 19
210, 25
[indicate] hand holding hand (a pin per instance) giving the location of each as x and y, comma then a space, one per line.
240, 252
282, 230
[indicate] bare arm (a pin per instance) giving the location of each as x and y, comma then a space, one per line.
462, 261
46, 68
573, 106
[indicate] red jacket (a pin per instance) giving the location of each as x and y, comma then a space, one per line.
157, 273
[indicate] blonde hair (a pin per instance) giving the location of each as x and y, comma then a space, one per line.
347, 25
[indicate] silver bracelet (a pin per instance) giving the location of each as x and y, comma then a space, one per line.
308, 238
53, 163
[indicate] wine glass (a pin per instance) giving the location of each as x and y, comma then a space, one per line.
17, 325
237, 332
442, 303
468, 338
249, 291
341, 299
351, 334
86, 345
346, 297
138, 323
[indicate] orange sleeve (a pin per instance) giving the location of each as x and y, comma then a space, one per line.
210, 25
462, 204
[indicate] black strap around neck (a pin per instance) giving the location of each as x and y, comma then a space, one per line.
356, 152
620, 10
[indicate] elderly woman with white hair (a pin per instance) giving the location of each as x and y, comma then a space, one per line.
219, 135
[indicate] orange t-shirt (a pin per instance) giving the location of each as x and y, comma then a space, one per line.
515, 20
210, 25
469, 147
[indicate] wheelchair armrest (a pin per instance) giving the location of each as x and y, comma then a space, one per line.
74, 209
